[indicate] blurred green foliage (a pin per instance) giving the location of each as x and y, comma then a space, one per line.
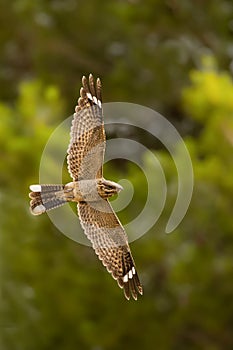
142, 49
54, 292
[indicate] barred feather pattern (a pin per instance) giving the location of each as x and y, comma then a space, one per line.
110, 243
87, 136
46, 197
85, 162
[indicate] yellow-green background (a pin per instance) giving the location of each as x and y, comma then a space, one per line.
173, 56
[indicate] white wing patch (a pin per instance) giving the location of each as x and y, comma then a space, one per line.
129, 275
94, 99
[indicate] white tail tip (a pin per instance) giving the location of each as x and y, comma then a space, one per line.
35, 188
39, 209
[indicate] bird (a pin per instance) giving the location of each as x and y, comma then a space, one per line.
91, 191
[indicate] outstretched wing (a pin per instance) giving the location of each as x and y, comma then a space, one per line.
110, 243
87, 136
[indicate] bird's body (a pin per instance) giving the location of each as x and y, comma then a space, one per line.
91, 191
75, 191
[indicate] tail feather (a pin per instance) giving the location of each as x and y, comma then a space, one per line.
46, 197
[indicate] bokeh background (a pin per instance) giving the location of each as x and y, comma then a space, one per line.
175, 57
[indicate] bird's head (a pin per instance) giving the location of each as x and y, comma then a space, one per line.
108, 188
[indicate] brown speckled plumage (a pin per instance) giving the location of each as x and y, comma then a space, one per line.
85, 162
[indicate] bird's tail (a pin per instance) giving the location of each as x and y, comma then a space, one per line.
46, 197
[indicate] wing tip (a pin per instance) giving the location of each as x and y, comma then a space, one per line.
91, 78
90, 93
84, 81
131, 284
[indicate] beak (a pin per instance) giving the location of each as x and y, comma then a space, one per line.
119, 188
